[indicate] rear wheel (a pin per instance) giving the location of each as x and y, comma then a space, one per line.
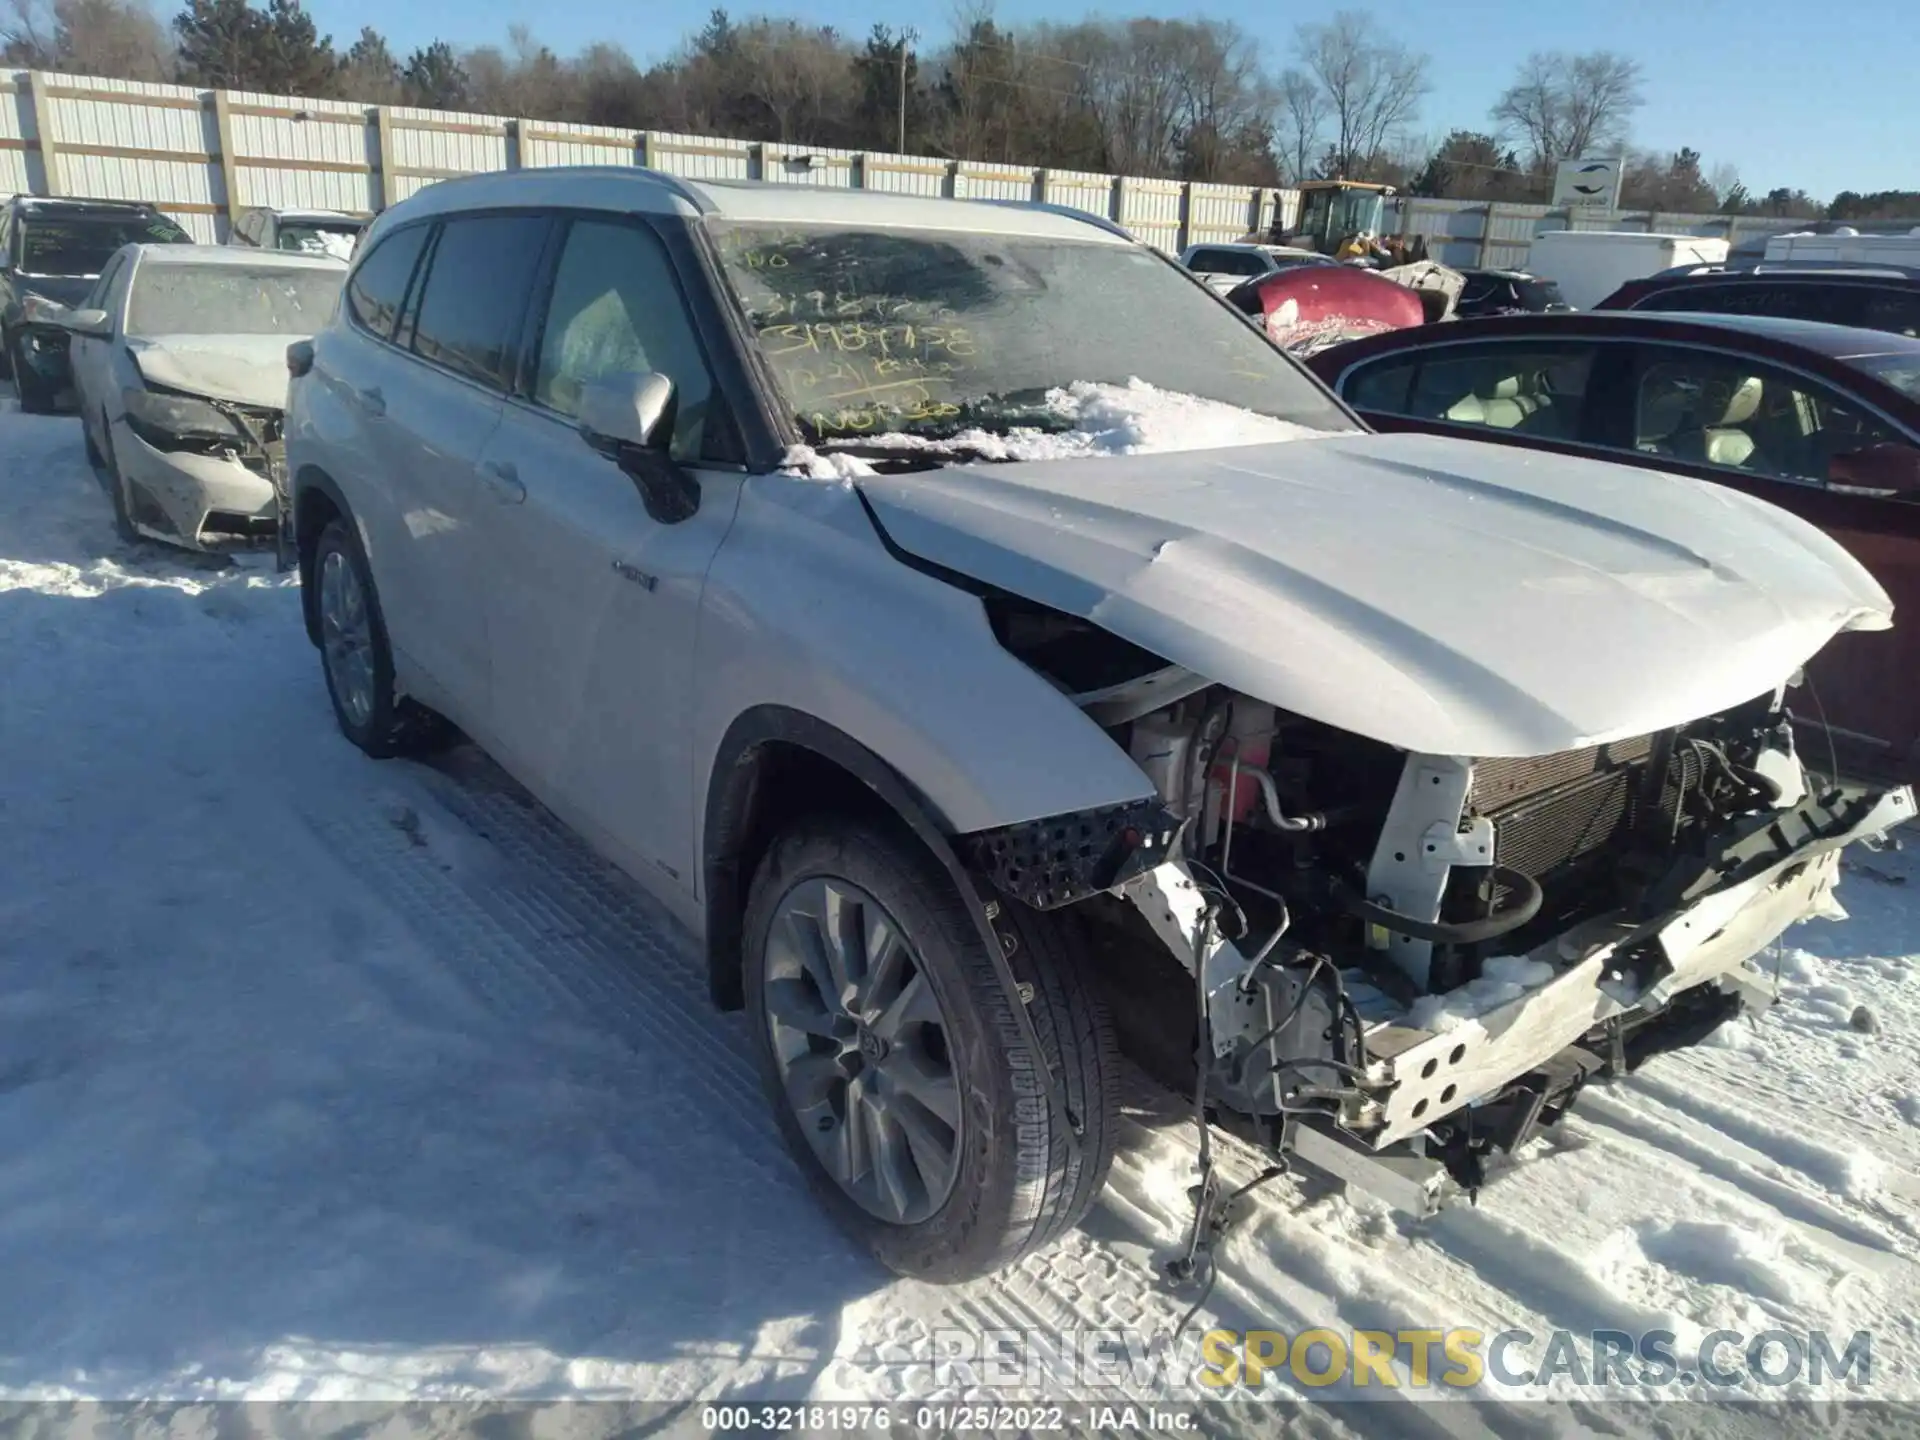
356, 658
895, 1067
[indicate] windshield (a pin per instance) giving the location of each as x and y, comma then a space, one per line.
932, 333
232, 300
318, 237
1901, 371
82, 245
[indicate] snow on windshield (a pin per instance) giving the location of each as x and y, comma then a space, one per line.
232, 300
1094, 419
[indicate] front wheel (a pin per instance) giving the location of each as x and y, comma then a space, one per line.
894, 1064
357, 659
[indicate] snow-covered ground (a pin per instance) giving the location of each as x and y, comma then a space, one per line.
328, 1079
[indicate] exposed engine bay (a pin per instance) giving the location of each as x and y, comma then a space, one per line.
1393, 965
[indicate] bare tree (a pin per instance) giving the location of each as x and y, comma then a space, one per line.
797, 74
1371, 84
1302, 125
1229, 106
1566, 107
119, 38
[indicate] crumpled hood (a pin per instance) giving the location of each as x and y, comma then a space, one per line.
246, 369
1440, 595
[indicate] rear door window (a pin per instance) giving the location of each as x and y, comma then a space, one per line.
378, 286
475, 294
1711, 408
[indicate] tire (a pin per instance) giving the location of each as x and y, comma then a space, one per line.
35, 398
359, 666
6, 356
1017, 1181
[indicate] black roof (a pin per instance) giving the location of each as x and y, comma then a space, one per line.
1804, 272
82, 203
1838, 342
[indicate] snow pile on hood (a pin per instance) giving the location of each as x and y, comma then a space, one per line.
807, 461
1103, 419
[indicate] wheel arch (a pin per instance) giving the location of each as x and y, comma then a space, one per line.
317, 501
773, 765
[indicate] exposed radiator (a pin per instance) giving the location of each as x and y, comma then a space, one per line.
1549, 811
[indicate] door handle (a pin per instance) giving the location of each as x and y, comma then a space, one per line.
372, 401
503, 478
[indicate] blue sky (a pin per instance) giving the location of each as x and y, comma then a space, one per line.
1790, 92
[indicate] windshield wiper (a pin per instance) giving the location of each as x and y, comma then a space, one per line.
925, 455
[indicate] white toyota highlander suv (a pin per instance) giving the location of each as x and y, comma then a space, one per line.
996, 651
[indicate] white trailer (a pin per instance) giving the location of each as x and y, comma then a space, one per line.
1590, 265
1846, 247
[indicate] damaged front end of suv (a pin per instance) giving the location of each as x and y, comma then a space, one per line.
1414, 865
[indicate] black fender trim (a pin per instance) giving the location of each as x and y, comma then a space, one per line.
730, 797
731, 793
311, 478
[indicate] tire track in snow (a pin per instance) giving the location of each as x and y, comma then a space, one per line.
1723, 1162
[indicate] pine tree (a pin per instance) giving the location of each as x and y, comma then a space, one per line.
300, 60
370, 73
435, 79
222, 45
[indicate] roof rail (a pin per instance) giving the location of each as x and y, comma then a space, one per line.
115, 204
1099, 222
664, 179
1875, 271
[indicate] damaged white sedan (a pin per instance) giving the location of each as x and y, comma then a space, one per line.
986, 641
179, 363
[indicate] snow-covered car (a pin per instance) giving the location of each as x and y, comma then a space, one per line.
983, 670
1224, 267
303, 232
179, 365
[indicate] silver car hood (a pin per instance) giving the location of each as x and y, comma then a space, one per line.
1444, 596
246, 369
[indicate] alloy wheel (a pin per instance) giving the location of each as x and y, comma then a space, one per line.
346, 636
861, 1045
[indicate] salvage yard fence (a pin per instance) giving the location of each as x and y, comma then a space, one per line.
204, 156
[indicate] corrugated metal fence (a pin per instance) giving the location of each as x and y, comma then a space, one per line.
206, 155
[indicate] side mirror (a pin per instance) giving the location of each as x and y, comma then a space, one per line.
96, 323
630, 419
1891, 469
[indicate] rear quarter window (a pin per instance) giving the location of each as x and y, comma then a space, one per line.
378, 285
1381, 386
